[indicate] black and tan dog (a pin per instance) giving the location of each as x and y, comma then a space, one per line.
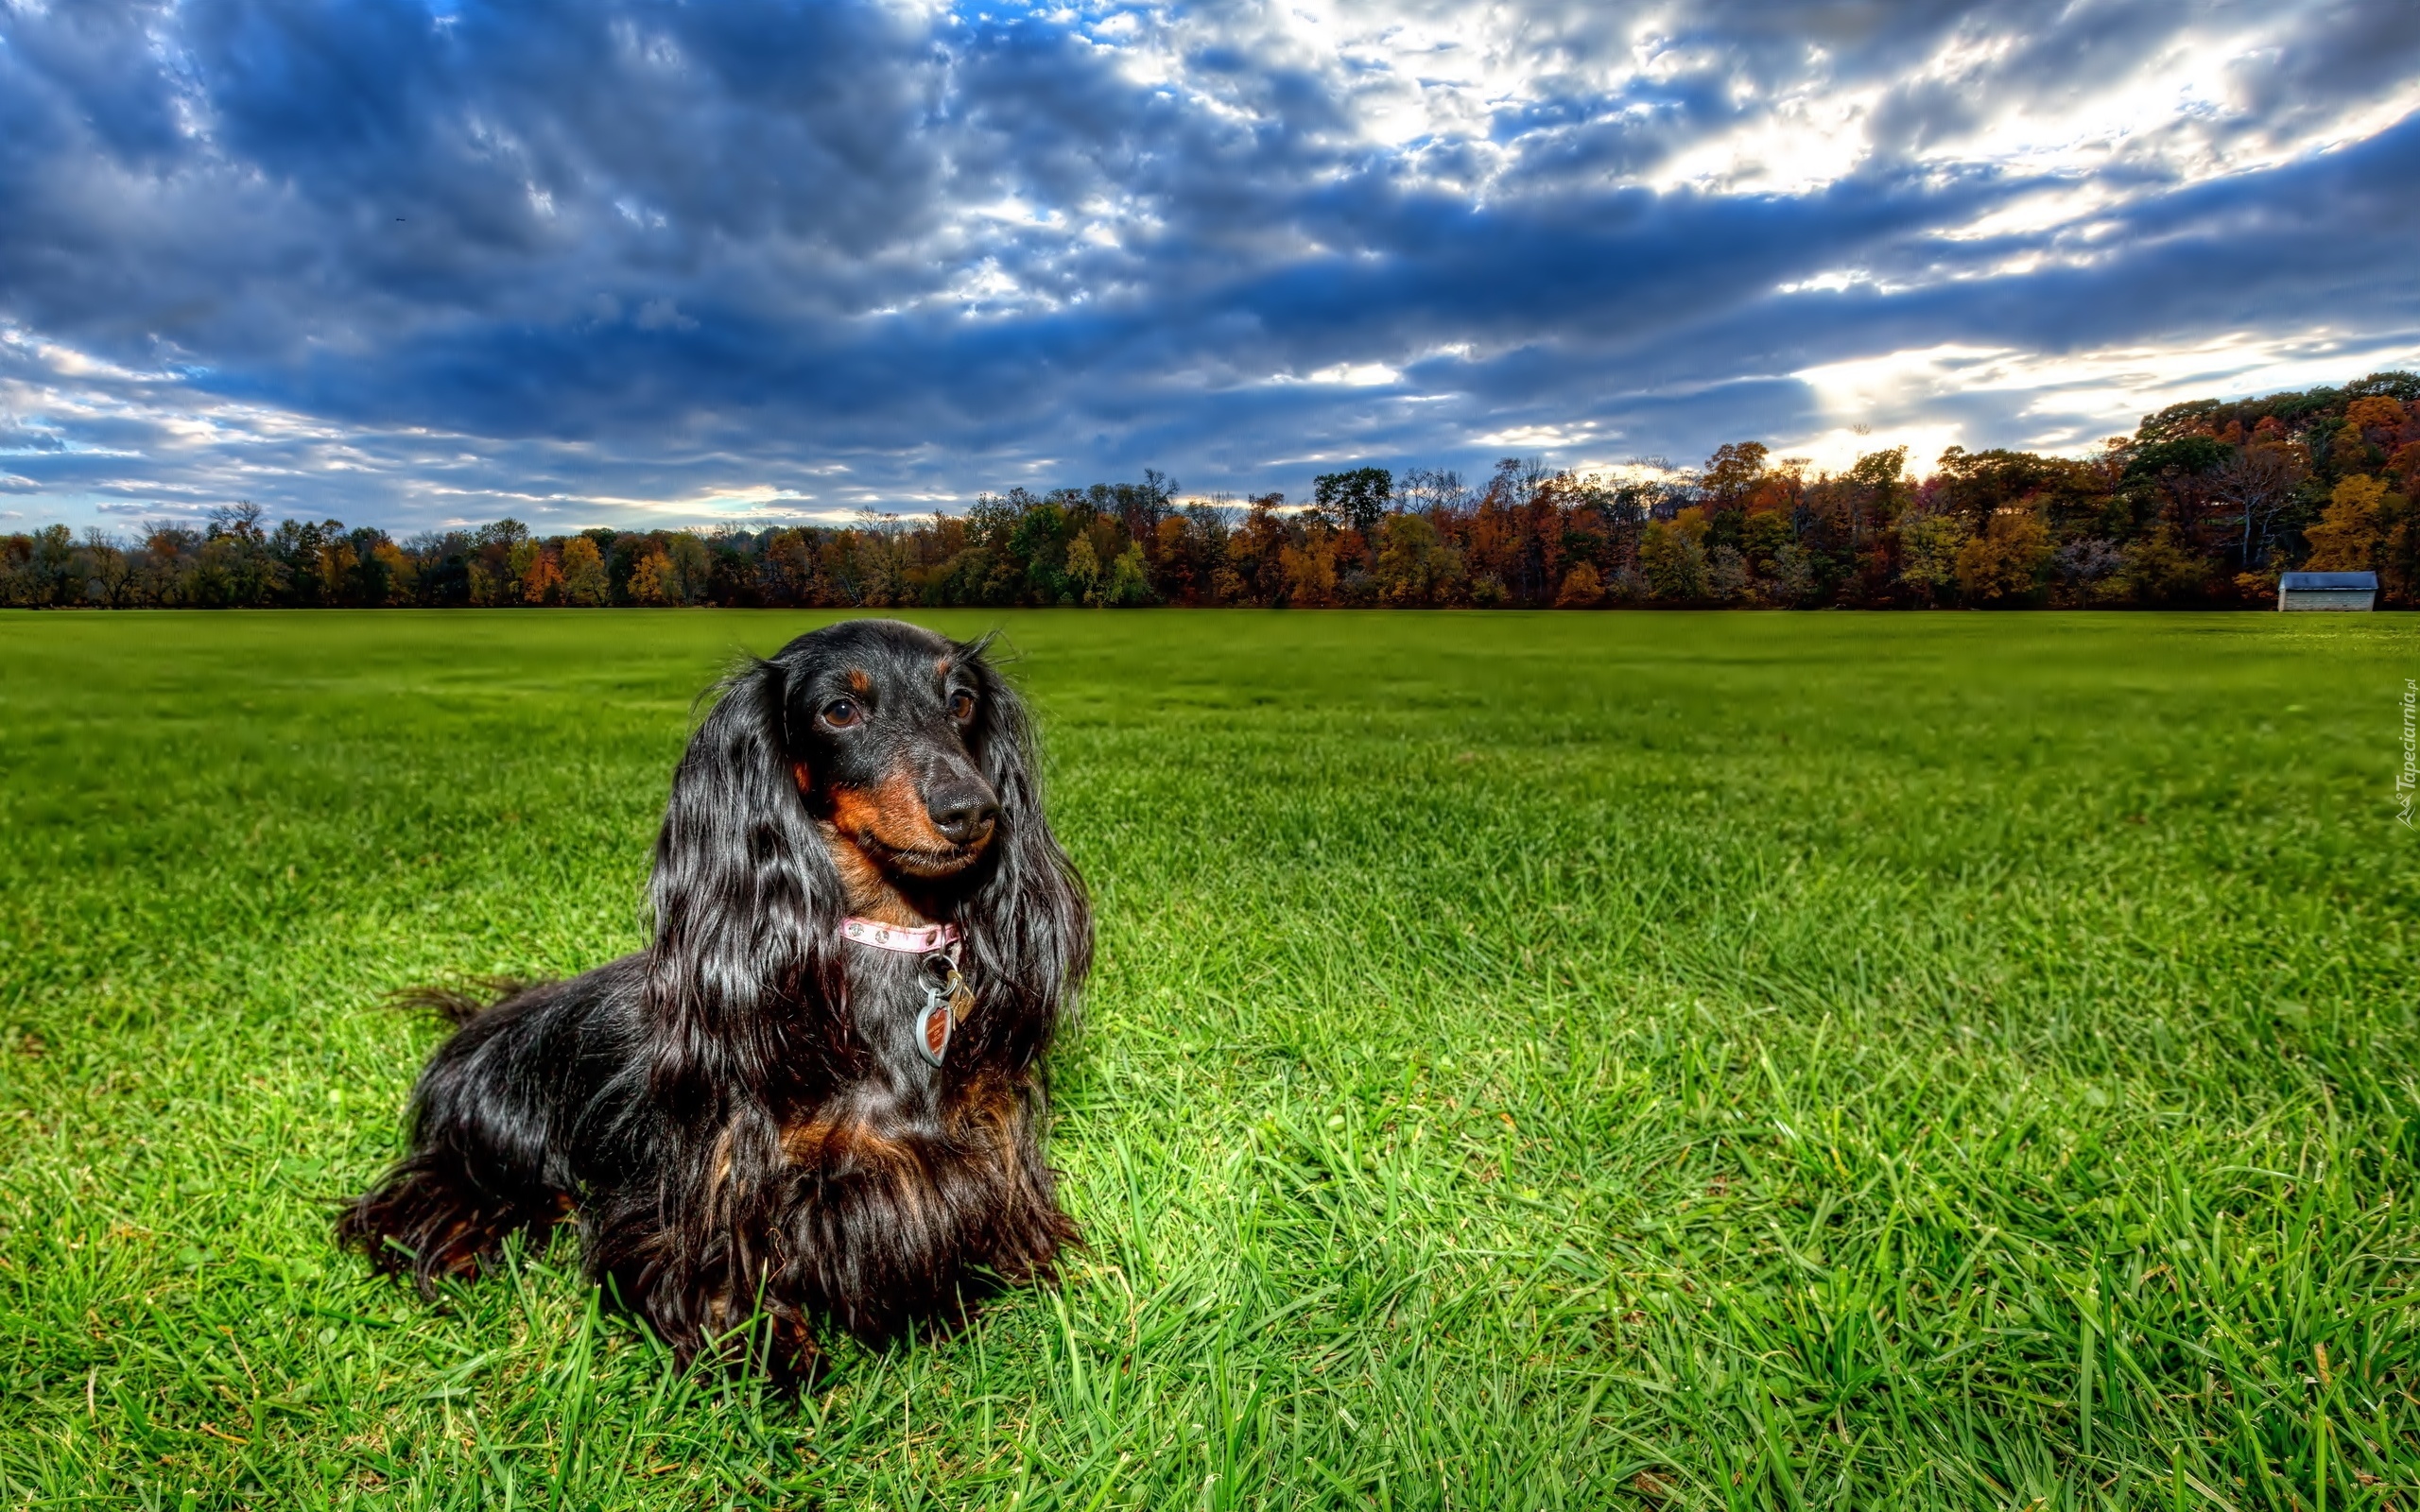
818, 1092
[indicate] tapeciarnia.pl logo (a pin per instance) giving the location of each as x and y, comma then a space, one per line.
2405, 780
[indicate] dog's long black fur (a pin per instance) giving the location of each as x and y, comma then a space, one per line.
738, 1115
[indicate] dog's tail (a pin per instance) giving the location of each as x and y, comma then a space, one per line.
459, 1005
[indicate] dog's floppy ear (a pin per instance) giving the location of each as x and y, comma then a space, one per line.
1029, 925
745, 899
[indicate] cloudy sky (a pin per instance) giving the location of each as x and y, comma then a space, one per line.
409, 264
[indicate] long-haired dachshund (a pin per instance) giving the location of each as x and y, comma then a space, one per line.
819, 1090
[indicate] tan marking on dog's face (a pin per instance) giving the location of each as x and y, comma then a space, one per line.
892, 815
859, 683
869, 889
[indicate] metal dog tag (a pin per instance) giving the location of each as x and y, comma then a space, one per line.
933, 1025
946, 997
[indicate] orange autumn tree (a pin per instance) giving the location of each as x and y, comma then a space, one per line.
584, 581
2348, 531
2004, 563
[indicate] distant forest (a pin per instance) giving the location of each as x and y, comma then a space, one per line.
2202, 506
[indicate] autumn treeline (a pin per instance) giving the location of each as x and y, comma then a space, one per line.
2203, 505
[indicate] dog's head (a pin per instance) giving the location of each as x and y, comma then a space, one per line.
887, 726
864, 760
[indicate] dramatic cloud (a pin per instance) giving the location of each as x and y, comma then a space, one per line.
405, 264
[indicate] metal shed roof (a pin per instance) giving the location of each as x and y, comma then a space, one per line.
2366, 582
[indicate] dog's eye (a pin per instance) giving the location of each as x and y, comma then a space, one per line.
962, 706
842, 712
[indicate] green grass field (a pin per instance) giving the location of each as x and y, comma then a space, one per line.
1536, 1061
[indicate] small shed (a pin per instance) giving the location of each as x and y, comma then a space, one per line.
2327, 591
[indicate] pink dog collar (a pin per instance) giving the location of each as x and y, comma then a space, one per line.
946, 1001
916, 940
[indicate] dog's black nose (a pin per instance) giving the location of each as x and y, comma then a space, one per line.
963, 818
